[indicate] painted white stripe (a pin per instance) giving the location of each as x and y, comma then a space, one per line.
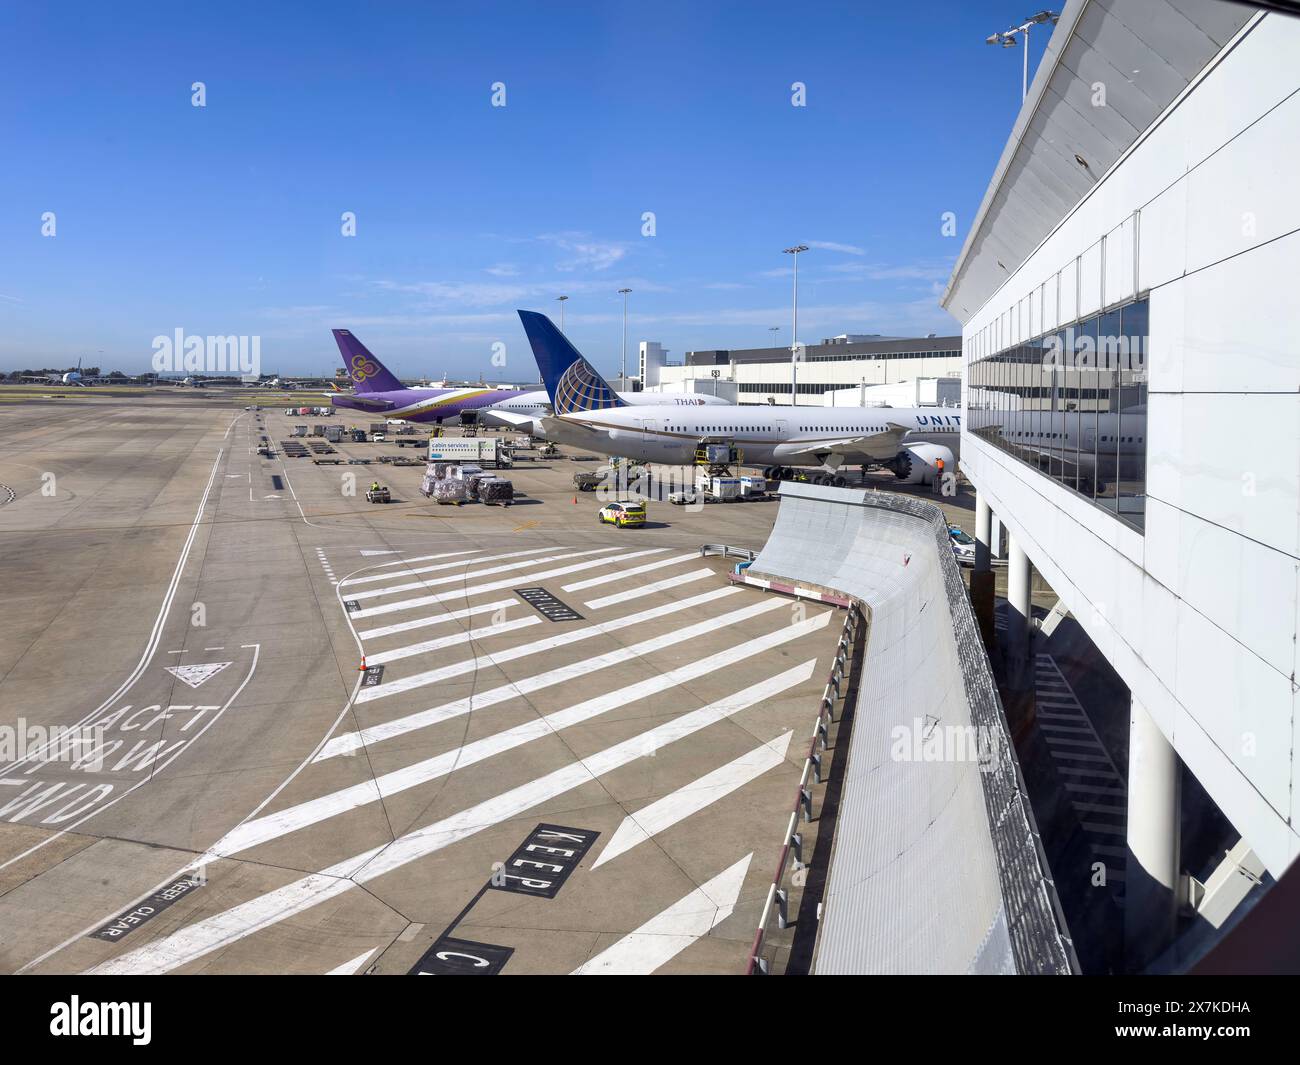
411, 586
665, 936
396, 575
426, 558
255, 832
350, 967
663, 563
693, 797
491, 586
222, 930
513, 803
551, 643
352, 741
436, 619
648, 589
468, 636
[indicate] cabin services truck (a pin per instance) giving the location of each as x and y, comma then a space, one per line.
488, 452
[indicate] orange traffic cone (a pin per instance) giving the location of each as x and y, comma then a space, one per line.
362, 667
575, 500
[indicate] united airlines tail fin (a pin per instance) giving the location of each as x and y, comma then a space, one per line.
573, 384
368, 374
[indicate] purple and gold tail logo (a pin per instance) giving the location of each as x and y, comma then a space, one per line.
363, 368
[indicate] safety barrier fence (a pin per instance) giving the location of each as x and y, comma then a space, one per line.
777, 905
727, 551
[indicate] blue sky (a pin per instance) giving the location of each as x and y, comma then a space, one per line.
226, 219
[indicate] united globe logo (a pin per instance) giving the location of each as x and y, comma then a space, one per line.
580, 388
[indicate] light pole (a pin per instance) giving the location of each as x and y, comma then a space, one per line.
774, 329
561, 300
1007, 39
794, 325
623, 369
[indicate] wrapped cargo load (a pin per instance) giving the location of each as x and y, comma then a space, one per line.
447, 490
496, 490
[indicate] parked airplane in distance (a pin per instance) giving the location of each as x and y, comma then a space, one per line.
72, 377
910, 441
377, 391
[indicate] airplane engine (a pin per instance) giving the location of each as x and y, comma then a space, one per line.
918, 463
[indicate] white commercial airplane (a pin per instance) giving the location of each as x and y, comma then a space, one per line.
910, 441
377, 390
72, 377
525, 413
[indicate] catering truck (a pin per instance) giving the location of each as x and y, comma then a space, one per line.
488, 452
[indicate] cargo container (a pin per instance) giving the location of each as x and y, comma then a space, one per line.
718, 489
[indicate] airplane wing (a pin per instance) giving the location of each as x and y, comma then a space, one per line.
875, 446
370, 403
522, 422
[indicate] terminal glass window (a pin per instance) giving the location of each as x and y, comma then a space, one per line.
1072, 403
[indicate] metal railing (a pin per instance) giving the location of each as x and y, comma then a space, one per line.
727, 551
814, 773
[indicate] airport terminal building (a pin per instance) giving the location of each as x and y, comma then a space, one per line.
763, 375
1129, 315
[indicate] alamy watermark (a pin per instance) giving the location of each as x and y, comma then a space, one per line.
183, 353
82, 746
1082, 351
925, 740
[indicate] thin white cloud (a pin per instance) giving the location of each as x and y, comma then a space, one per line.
830, 245
882, 272
584, 252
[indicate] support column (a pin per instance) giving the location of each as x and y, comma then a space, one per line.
1018, 686
983, 533
981, 579
1020, 612
1154, 808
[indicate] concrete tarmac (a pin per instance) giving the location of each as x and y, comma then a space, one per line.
195, 775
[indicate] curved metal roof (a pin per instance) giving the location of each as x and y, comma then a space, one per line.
1145, 52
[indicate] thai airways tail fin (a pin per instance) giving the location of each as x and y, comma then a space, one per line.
573, 384
368, 374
